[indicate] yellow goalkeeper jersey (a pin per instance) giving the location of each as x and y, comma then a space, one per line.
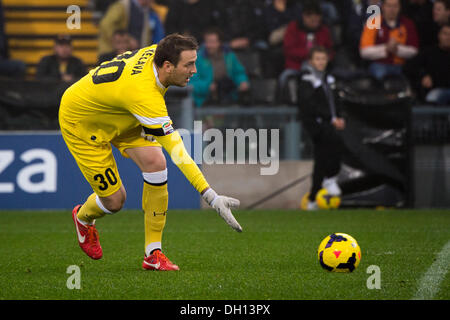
118, 97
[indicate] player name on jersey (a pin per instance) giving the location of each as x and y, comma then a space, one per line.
137, 68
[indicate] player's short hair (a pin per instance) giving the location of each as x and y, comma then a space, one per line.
317, 49
170, 48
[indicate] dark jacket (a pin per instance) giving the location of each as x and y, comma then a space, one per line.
191, 18
433, 61
315, 105
48, 68
240, 18
422, 15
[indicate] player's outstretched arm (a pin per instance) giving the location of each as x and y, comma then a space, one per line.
174, 145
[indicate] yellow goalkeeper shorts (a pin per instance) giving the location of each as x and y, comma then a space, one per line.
96, 161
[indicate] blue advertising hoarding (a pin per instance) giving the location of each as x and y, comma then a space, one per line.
37, 171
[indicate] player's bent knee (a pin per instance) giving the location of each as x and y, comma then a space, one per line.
114, 203
114, 207
111, 207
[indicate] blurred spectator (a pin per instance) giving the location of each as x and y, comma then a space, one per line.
441, 16
156, 27
301, 35
120, 43
389, 46
62, 65
430, 70
160, 8
421, 13
99, 7
320, 116
330, 14
9, 68
191, 17
353, 17
220, 77
129, 15
441, 12
240, 22
276, 17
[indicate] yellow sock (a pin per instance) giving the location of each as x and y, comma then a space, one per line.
155, 200
90, 211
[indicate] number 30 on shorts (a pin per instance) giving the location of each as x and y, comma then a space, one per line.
106, 179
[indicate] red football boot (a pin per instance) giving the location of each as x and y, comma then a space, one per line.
88, 238
158, 261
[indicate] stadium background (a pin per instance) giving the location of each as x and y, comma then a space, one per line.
398, 147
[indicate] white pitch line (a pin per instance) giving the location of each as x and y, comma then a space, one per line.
431, 280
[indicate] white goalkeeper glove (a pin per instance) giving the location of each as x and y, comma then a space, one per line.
222, 205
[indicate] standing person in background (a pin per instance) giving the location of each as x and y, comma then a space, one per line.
321, 118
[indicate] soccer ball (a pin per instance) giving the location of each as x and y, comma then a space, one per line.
304, 201
339, 252
326, 201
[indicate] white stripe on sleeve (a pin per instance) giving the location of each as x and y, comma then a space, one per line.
151, 121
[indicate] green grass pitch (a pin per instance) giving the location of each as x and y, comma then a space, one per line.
274, 258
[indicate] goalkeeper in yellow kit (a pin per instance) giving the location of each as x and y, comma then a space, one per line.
121, 103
